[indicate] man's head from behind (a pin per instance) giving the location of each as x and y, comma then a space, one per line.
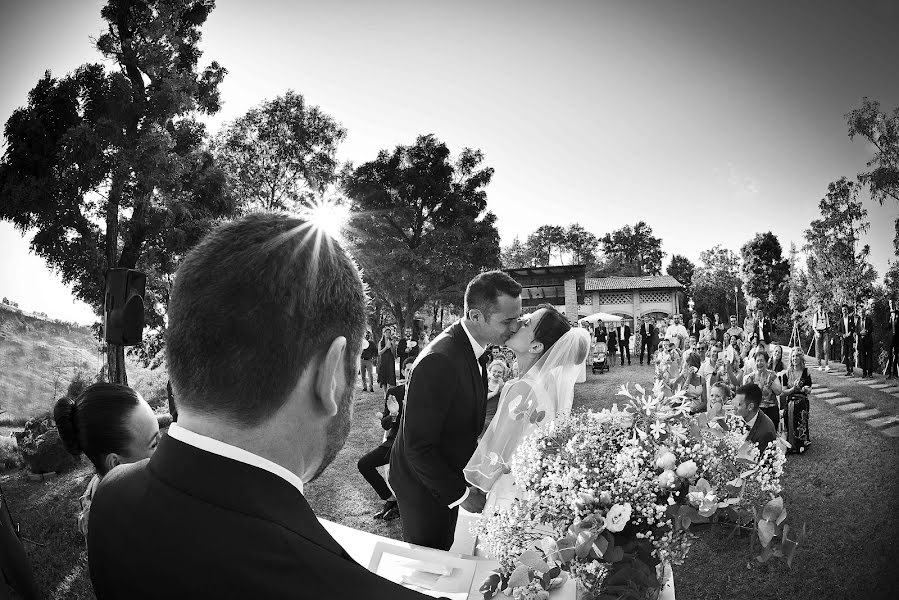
747, 400
266, 321
493, 306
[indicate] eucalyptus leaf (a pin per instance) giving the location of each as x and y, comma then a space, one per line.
519, 577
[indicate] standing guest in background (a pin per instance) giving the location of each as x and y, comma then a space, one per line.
846, 331
512, 364
261, 415
735, 331
764, 328
112, 425
770, 385
612, 345
623, 333
648, 340
749, 322
677, 332
865, 336
720, 329
387, 360
601, 334
707, 333
696, 327
776, 363
821, 327
662, 329
391, 416
746, 405
796, 406
367, 363
893, 345
402, 347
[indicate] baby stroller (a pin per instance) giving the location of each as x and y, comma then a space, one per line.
600, 355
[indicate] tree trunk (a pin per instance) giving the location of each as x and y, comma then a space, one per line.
115, 355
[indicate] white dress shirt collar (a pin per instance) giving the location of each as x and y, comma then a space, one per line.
475, 346
752, 421
220, 448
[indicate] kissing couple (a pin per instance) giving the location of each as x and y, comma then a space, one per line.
438, 462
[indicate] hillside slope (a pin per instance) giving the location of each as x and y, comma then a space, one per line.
38, 359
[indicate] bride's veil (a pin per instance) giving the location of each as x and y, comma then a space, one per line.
544, 392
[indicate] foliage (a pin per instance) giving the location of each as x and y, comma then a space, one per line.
607, 496
10, 457
714, 282
765, 274
637, 247
881, 130
581, 244
80, 381
682, 269
516, 255
545, 240
281, 154
552, 244
109, 165
419, 224
837, 267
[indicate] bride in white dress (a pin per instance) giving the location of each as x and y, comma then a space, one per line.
551, 355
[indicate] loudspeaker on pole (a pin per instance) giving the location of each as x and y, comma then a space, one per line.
124, 307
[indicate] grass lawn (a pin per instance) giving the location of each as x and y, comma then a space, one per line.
844, 489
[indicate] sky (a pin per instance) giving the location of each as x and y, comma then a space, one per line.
709, 120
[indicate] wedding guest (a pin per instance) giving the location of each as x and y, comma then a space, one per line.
367, 363
865, 336
776, 362
648, 339
746, 405
662, 327
496, 380
263, 357
710, 360
770, 385
677, 332
613, 346
402, 346
735, 331
720, 329
623, 334
693, 383
764, 328
821, 327
601, 334
387, 360
796, 405
696, 326
719, 395
110, 424
390, 417
893, 345
846, 331
749, 322
707, 333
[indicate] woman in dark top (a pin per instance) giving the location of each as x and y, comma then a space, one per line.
390, 417
386, 360
797, 385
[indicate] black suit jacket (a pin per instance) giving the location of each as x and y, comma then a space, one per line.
762, 432
765, 330
218, 528
841, 326
627, 334
867, 340
446, 403
653, 334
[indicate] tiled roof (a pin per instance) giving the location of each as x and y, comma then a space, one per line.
631, 283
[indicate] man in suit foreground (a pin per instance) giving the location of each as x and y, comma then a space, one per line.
761, 428
446, 404
264, 337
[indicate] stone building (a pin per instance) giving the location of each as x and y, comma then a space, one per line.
658, 296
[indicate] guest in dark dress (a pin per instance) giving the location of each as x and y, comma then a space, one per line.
797, 385
391, 417
387, 360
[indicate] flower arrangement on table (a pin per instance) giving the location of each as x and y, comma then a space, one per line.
608, 497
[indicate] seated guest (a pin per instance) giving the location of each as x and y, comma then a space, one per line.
710, 360
776, 362
390, 417
770, 385
263, 358
496, 380
693, 384
112, 425
719, 396
797, 385
746, 405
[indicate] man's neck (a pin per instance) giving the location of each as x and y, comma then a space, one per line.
475, 332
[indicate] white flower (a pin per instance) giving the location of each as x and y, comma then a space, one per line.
686, 469
666, 461
618, 516
666, 479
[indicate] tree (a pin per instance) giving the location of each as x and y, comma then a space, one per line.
109, 166
281, 154
838, 268
682, 268
765, 274
542, 243
716, 283
881, 130
581, 245
418, 224
515, 255
636, 246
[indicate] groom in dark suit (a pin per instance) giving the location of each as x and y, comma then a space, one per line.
446, 403
747, 400
264, 337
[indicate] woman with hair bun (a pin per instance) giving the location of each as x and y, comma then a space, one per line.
110, 424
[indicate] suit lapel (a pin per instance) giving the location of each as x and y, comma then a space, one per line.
478, 379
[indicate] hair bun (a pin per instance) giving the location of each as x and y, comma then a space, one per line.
64, 415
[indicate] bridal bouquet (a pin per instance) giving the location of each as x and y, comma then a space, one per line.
608, 497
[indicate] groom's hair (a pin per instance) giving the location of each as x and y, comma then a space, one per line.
255, 303
482, 291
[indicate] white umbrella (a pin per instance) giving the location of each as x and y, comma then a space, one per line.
600, 316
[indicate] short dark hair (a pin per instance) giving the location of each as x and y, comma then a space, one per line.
693, 360
482, 291
733, 316
254, 304
408, 362
846, 306
96, 422
762, 353
551, 326
752, 392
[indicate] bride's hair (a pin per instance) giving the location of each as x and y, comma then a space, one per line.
551, 326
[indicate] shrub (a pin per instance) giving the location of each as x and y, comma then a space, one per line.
42, 351
10, 458
80, 381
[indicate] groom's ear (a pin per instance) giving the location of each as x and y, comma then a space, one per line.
330, 376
